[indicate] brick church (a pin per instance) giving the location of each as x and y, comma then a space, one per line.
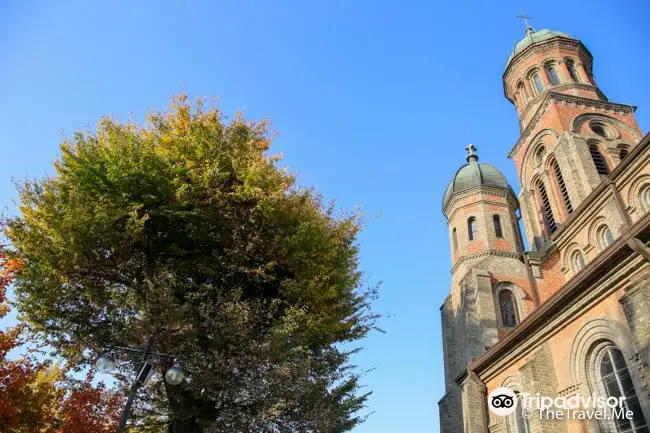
571, 313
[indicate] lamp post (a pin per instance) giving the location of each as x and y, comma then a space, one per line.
106, 363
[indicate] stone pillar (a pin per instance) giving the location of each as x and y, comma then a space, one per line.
473, 398
577, 167
582, 73
529, 88
613, 157
636, 306
450, 411
532, 225
449, 343
538, 375
563, 72
486, 313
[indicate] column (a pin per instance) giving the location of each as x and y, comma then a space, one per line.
635, 304
565, 74
582, 73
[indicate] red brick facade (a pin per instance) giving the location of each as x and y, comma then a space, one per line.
583, 285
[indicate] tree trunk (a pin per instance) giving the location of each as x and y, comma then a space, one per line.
183, 411
184, 426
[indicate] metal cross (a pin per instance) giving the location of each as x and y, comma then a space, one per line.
524, 17
471, 150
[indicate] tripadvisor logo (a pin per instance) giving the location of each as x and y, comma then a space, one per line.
502, 401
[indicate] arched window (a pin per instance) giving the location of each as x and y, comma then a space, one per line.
599, 130
509, 317
472, 228
523, 94
606, 237
547, 211
521, 422
454, 238
537, 82
623, 150
560, 183
552, 75
614, 380
540, 152
572, 71
577, 261
645, 196
599, 161
497, 226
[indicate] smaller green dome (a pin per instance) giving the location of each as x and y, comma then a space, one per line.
534, 37
474, 174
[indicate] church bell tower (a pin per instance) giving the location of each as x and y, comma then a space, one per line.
490, 291
572, 136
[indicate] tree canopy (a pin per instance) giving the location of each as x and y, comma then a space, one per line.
186, 229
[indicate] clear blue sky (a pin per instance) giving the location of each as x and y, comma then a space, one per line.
374, 102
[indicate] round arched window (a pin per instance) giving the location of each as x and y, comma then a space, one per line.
644, 197
509, 316
577, 261
598, 129
551, 72
570, 65
602, 129
614, 381
540, 152
606, 237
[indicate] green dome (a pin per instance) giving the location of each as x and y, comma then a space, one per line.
533, 37
475, 174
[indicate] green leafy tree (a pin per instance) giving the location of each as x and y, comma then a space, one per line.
186, 229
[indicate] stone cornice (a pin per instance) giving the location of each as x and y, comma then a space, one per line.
548, 45
541, 47
475, 191
486, 253
565, 99
557, 89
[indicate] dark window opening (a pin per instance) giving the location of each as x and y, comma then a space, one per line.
521, 421
508, 312
615, 381
623, 150
552, 75
472, 228
547, 211
599, 161
538, 83
497, 226
562, 186
572, 71
598, 129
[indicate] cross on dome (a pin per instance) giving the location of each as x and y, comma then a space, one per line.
472, 156
525, 19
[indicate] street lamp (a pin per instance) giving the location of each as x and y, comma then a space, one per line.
106, 364
174, 375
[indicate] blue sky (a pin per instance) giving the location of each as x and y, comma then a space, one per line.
374, 102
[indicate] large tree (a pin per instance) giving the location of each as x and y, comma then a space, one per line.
185, 229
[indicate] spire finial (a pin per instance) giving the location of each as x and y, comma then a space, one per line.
525, 18
472, 156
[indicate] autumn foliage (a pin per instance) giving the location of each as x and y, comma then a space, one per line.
34, 396
186, 230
